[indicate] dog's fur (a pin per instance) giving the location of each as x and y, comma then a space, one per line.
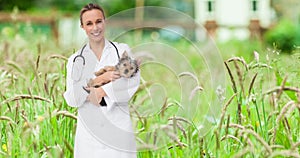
127, 67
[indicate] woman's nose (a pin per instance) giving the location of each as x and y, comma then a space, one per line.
95, 27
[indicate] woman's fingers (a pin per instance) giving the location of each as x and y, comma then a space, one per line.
87, 89
115, 75
94, 97
107, 77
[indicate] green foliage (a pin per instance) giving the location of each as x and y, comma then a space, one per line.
25, 5
285, 36
110, 6
288, 9
32, 78
243, 48
21, 4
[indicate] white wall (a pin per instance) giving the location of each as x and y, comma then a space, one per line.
265, 13
233, 16
232, 12
200, 8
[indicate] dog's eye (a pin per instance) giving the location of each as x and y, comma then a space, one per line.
124, 64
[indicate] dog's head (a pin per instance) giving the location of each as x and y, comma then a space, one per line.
127, 66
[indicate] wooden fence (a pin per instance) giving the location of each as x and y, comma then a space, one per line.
37, 19
52, 21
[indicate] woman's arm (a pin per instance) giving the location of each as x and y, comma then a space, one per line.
121, 90
96, 94
74, 95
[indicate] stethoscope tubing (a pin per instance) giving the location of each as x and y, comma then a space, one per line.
81, 52
80, 55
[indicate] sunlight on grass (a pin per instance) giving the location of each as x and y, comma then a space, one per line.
260, 116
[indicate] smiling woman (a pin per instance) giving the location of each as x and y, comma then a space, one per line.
104, 128
92, 21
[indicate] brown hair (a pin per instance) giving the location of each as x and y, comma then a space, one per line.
88, 7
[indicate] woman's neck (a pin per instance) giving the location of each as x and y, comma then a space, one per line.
97, 48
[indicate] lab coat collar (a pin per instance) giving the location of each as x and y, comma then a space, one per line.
106, 45
106, 49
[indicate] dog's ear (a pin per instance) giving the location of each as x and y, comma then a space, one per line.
125, 54
138, 61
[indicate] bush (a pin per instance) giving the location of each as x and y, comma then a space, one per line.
285, 36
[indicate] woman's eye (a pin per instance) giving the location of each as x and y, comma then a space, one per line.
88, 24
99, 21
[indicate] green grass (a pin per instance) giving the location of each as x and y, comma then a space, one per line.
261, 120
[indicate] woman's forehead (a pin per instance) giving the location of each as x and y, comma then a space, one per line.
92, 15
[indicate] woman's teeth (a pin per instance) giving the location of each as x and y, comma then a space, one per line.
96, 34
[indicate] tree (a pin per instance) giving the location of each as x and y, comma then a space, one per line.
287, 9
8, 5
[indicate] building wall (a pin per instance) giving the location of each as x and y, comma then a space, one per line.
233, 16
265, 13
232, 12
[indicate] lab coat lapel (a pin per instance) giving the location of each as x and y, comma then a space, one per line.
109, 56
90, 63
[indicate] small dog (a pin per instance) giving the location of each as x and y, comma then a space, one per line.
127, 67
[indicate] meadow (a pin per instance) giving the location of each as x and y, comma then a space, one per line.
178, 111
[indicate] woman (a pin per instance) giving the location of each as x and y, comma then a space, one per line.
104, 128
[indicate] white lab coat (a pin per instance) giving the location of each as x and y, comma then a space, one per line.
102, 132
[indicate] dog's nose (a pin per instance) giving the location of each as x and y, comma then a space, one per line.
126, 71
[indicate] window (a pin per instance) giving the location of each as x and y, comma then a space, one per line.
210, 6
254, 5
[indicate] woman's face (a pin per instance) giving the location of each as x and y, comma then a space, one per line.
93, 24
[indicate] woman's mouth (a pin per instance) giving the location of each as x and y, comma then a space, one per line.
96, 33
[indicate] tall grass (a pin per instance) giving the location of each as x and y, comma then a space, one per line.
259, 116
35, 120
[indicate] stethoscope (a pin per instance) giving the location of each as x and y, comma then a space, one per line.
79, 63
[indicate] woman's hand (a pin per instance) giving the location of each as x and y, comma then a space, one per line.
95, 95
106, 77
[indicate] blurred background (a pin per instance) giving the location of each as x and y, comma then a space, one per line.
184, 85
272, 22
